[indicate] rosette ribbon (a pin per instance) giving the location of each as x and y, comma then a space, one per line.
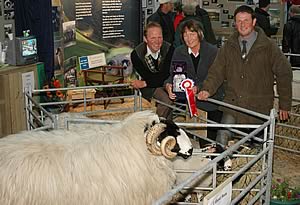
187, 86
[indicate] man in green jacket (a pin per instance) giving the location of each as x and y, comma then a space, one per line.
249, 73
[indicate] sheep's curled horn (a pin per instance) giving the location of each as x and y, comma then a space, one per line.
167, 144
151, 138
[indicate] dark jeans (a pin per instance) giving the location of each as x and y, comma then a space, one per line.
224, 135
216, 116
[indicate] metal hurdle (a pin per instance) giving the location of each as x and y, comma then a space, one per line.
287, 135
260, 185
293, 54
261, 182
36, 112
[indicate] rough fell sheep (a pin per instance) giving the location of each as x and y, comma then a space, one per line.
100, 166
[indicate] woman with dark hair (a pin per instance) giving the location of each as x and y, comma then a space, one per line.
196, 56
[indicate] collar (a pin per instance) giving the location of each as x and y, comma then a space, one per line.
251, 38
160, 12
261, 39
250, 41
191, 52
154, 55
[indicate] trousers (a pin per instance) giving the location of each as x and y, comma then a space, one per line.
224, 135
162, 110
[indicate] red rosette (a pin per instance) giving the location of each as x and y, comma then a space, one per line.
187, 86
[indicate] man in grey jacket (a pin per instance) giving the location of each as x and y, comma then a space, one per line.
249, 62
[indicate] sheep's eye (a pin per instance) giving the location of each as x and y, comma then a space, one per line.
153, 122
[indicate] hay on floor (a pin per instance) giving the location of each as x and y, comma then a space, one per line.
289, 132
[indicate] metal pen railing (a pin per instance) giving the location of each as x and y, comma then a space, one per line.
265, 155
36, 112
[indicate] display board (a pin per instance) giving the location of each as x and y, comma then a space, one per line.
221, 14
148, 8
7, 20
89, 27
110, 21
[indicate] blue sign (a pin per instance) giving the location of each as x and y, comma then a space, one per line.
84, 63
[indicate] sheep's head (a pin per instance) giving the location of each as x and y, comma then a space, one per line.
166, 138
228, 165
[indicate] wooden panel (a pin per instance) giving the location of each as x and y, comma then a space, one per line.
18, 117
18, 69
12, 105
5, 117
202, 131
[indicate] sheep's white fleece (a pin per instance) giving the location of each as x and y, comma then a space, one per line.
100, 166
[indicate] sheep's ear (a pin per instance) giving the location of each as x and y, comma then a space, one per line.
151, 138
148, 126
176, 148
170, 124
162, 119
167, 146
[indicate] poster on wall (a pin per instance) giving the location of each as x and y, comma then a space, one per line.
110, 21
9, 9
58, 57
70, 73
214, 14
112, 27
69, 33
8, 31
274, 17
144, 3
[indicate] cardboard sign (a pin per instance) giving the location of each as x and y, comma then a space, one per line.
92, 61
28, 81
221, 195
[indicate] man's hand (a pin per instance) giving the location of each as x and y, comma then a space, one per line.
203, 95
283, 115
137, 84
169, 90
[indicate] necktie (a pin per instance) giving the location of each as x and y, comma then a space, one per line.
244, 49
